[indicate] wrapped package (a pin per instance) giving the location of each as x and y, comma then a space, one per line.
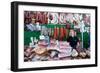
74, 53
65, 49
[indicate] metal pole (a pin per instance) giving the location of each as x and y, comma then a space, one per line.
82, 28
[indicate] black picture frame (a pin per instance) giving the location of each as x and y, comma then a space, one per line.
14, 35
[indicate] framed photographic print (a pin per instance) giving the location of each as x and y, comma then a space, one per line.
52, 36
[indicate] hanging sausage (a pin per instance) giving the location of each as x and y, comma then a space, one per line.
55, 33
61, 33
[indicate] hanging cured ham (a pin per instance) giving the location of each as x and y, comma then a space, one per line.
44, 18
39, 17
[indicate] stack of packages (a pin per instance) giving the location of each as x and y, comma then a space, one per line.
42, 42
65, 49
